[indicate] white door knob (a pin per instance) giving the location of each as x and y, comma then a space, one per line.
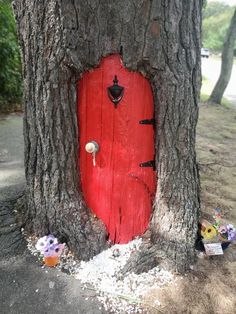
92, 147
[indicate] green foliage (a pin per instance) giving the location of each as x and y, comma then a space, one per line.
214, 8
10, 66
216, 20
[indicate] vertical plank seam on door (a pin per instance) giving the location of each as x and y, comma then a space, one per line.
101, 116
113, 168
85, 78
101, 130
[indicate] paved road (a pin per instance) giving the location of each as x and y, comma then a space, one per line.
26, 288
211, 70
12, 183
11, 151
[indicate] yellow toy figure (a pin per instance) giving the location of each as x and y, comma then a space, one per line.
207, 230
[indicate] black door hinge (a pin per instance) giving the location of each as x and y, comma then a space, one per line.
150, 163
147, 121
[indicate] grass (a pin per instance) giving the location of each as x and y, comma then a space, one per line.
207, 87
218, 58
216, 153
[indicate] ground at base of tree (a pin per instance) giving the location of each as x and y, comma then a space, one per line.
209, 288
26, 288
216, 154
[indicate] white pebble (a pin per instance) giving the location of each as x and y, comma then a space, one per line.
51, 284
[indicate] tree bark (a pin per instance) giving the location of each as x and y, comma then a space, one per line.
227, 61
62, 39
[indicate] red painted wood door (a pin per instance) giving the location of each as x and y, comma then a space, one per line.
116, 188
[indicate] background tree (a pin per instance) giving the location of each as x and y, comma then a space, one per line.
10, 66
61, 40
226, 63
216, 16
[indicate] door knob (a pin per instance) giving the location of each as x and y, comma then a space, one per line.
92, 148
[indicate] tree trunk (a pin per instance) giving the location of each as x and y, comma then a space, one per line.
226, 63
62, 39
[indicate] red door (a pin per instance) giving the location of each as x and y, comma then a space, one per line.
115, 187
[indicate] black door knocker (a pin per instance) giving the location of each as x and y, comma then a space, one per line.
115, 92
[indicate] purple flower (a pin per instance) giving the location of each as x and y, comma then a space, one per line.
53, 250
231, 232
51, 240
46, 244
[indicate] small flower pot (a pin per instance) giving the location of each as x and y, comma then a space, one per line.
51, 261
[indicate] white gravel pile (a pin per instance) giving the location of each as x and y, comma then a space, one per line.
120, 294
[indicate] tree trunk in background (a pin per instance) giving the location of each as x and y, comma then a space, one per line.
61, 40
227, 61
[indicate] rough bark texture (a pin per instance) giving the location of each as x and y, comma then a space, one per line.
227, 60
11, 238
62, 39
